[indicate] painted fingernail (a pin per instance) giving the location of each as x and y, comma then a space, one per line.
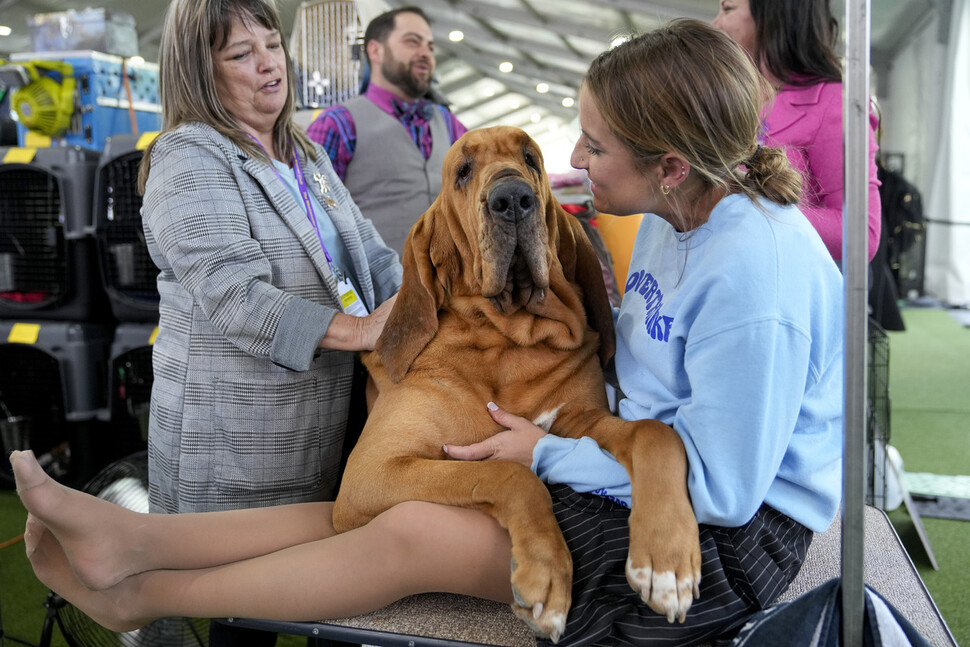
492, 406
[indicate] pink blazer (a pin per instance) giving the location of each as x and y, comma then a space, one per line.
807, 122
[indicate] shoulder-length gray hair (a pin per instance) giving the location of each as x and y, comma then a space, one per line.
186, 84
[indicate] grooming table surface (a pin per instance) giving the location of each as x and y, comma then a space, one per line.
444, 620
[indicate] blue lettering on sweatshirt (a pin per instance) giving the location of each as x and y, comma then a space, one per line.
603, 492
657, 325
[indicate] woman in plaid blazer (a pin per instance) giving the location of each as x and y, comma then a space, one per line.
252, 231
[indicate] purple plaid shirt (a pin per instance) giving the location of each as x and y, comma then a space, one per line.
334, 129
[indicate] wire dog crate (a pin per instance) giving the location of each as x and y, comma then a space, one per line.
48, 265
127, 270
877, 416
326, 45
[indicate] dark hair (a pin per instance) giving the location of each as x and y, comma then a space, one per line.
192, 29
688, 88
380, 27
796, 40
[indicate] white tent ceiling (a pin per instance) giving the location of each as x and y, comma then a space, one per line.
548, 42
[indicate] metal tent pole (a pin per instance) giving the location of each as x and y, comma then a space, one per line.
855, 267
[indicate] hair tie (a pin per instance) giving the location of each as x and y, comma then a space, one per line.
755, 157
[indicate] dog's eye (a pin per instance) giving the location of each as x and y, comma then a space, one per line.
463, 174
533, 162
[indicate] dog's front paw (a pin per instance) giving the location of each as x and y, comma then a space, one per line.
542, 592
664, 567
664, 591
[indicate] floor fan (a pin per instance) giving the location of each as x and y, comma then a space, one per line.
125, 483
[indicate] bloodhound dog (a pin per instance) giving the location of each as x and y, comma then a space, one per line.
503, 300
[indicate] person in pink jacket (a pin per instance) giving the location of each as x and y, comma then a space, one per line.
793, 44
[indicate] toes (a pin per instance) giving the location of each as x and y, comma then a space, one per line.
685, 596
663, 595
544, 623
546, 619
663, 591
27, 471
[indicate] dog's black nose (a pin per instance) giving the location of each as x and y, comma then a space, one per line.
512, 200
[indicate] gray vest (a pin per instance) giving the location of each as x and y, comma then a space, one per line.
388, 177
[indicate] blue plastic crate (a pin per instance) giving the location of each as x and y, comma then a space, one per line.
101, 103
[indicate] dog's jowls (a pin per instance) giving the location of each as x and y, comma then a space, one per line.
503, 300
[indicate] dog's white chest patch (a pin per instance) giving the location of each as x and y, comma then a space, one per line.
545, 419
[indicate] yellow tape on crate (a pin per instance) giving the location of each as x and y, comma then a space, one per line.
20, 155
145, 140
24, 333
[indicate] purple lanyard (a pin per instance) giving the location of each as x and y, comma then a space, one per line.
305, 194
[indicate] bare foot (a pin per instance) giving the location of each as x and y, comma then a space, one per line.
111, 608
91, 532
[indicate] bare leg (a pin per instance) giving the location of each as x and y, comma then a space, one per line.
415, 547
105, 542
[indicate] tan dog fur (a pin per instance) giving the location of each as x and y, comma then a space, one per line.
474, 323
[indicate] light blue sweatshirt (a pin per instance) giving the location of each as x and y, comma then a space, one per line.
733, 335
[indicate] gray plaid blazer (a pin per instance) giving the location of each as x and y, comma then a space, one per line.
246, 411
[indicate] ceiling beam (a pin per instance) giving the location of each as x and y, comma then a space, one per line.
482, 10
528, 92
535, 47
663, 9
465, 52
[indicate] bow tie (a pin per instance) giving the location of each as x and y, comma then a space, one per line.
408, 111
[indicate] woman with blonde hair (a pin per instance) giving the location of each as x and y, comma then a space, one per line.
730, 332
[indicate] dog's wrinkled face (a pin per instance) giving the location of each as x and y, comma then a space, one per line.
500, 175
497, 233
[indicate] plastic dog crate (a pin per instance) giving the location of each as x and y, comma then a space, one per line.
52, 382
127, 270
48, 262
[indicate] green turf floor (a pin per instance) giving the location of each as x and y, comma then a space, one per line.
929, 368
929, 382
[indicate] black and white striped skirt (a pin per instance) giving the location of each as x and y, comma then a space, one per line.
743, 570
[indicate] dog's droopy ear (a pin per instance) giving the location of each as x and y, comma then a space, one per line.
588, 273
413, 321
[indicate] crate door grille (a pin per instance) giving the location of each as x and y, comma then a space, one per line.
130, 395
33, 262
877, 415
31, 385
129, 269
328, 52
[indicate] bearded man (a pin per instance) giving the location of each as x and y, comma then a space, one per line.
388, 143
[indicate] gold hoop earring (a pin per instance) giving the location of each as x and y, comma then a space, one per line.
665, 189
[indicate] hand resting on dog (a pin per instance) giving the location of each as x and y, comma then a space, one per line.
515, 443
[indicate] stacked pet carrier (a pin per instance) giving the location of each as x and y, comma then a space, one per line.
128, 274
54, 317
78, 303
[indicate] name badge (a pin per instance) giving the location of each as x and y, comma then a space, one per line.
350, 301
